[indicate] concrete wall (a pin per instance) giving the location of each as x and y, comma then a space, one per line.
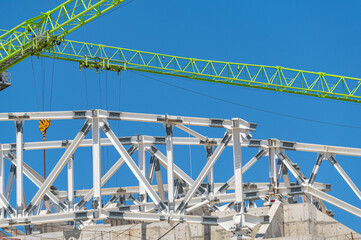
287, 222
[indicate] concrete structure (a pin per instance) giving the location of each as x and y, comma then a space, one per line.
301, 221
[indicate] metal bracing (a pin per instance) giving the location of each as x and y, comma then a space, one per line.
275, 78
170, 165
71, 183
86, 206
19, 166
237, 164
131, 164
34, 177
163, 161
204, 172
97, 202
344, 175
143, 169
48, 29
105, 178
210, 177
58, 167
316, 168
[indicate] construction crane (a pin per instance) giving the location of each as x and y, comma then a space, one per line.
275, 78
44, 36
43, 32
46, 30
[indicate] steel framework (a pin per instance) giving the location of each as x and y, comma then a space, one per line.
42, 32
182, 195
273, 78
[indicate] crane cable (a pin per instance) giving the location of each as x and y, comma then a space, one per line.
86, 90
35, 89
118, 122
44, 124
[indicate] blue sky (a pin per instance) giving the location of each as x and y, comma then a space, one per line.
320, 36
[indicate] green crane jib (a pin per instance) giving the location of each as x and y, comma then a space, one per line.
97, 56
40, 33
44, 36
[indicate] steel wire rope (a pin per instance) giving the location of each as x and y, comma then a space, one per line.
118, 122
102, 162
106, 107
249, 107
52, 85
100, 92
42, 61
86, 90
34, 80
190, 154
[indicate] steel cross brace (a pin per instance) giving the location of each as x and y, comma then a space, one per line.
105, 178
58, 167
212, 160
36, 179
131, 164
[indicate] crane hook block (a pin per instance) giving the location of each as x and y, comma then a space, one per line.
44, 124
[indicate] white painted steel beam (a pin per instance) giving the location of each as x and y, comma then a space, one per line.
334, 201
170, 166
245, 168
237, 165
105, 178
19, 168
58, 167
142, 168
192, 132
285, 160
35, 178
97, 200
71, 183
204, 172
316, 168
344, 175
210, 177
131, 164
163, 161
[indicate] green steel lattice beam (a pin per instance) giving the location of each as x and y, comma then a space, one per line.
249, 75
42, 32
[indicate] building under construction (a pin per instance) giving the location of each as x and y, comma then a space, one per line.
167, 202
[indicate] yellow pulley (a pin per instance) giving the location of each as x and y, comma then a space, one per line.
44, 124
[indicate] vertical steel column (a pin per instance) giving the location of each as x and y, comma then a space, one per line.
210, 177
142, 167
71, 183
170, 165
237, 160
19, 167
272, 163
97, 201
2, 178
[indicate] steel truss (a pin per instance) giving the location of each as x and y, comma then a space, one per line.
175, 201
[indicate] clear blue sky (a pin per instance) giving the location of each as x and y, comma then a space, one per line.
321, 36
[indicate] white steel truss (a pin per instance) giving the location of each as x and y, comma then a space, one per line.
181, 196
